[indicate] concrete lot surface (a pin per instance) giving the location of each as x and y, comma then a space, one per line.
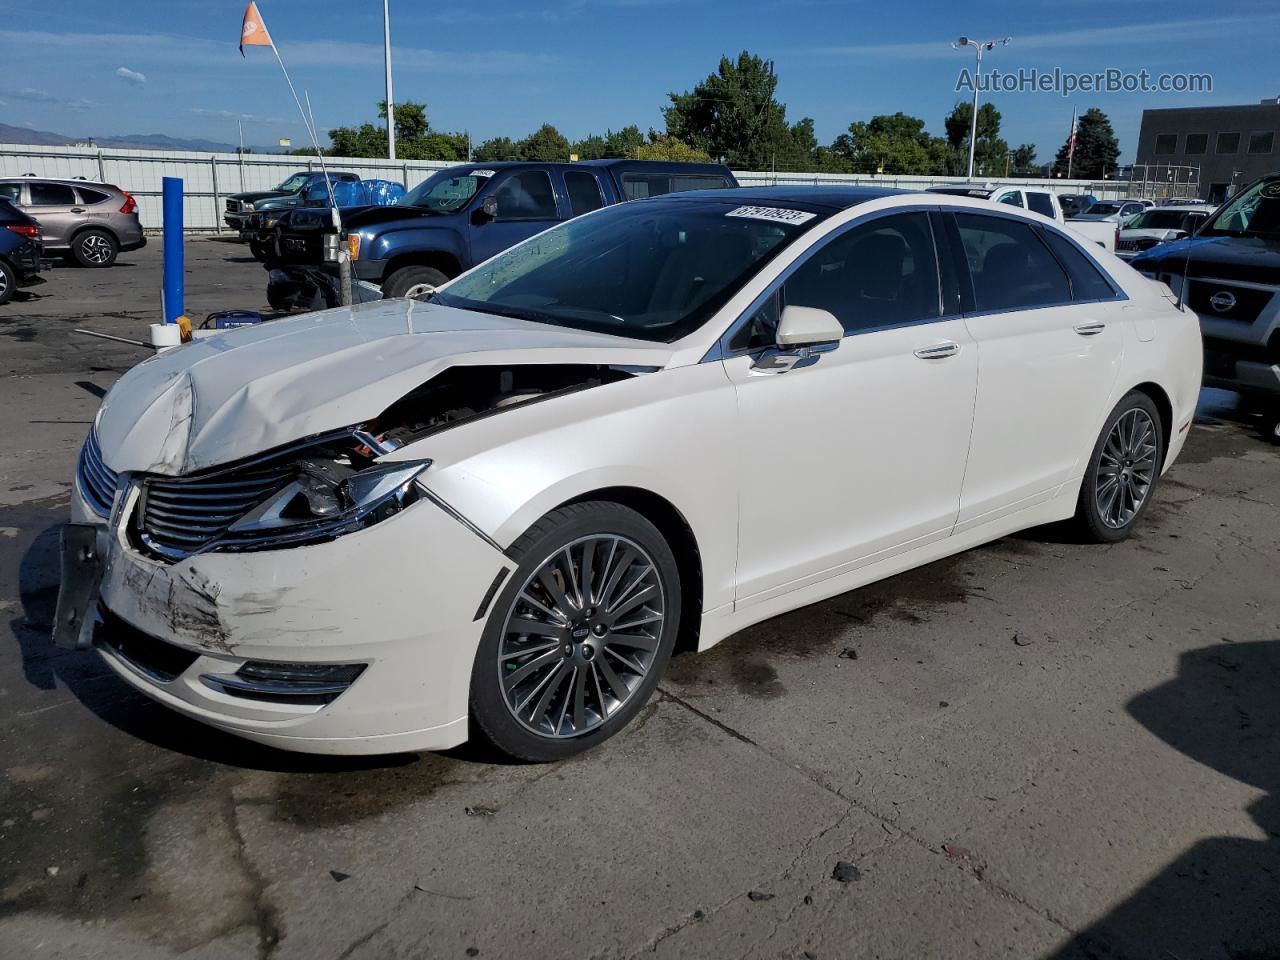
1034, 749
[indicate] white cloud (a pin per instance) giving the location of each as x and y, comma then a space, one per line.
233, 115
131, 76
1094, 37
31, 95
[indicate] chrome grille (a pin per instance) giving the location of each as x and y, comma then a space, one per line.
97, 481
234, 206
179, 517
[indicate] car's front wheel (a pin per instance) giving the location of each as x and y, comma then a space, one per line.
95, 248
8, 282
578, 639
412, 281
1123, 470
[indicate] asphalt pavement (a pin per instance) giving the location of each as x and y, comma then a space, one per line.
1034, 749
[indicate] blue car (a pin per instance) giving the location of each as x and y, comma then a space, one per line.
20, 250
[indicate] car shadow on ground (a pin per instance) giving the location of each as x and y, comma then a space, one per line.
1221, 897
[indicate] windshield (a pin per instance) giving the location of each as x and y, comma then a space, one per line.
652, 269
1158, 220
1104, 209
1254, 212
446, 191
294, 183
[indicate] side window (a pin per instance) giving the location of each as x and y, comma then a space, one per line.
1041, 203
879, 274
11, 192
1013, 198
1011, 269
681, 184
637, 186
92, 196
51, 194
526, 195
1087, 281
584, 192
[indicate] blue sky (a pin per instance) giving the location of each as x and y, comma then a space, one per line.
501, 67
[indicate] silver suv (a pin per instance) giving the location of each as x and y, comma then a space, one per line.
93, 222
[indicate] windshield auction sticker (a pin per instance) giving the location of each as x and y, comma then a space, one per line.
481, 173
776, 214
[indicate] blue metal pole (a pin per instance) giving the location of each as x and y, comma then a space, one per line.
174, 286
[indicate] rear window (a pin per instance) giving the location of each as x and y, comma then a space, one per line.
11, 191
1010, 268
51, 194
1041, 203
1087, 281
92, 196
682, 183
637, 186
584, 192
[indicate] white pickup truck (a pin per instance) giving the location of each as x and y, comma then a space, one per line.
1043, 202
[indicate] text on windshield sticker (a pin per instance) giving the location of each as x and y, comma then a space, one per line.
482, 173
777, 214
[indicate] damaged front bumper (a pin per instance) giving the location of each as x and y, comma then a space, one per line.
361, 645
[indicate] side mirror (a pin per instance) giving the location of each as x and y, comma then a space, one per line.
807, 327
488, 210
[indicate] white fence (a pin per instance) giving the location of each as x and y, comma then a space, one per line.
210, 177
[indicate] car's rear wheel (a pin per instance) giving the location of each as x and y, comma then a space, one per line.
95, 248
412, 282
1123, 470
8, 282
577, 641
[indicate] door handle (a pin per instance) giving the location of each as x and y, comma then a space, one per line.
938, 351
77, 209
1089, 328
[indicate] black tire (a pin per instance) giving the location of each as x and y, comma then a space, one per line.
401, 281
95, 248
568, 525
260, 249
1089, 520
8, 282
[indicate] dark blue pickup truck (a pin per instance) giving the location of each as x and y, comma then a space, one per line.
464, 215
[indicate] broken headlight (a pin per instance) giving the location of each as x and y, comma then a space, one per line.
321, 500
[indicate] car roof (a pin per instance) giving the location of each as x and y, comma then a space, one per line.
69, 181
832, 198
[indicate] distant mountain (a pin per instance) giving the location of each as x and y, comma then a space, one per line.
131, 141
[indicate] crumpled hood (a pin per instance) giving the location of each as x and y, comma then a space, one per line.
245, 391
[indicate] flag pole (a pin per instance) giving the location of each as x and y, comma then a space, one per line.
1071, 150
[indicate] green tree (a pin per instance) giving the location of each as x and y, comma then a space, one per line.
733, 114
669, 149
1022, 162
1096, 148
613, 144
415, 140
497, 148
889, 143
546, 144
590, 147
990, 153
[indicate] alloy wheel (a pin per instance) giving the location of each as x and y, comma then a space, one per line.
581, 636
4, 284
96, 249
1126, 468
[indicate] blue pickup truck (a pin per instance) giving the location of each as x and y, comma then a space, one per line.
462, 216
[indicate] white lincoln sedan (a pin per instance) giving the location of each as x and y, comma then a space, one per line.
496, 511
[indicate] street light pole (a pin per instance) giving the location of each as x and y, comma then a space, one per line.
391, 108
979, 48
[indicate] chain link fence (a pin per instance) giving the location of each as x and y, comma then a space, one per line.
209, 178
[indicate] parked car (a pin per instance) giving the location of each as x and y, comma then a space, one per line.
1043, 202
1074, 204
259, 227
1229, 274
287, 194
1112, 211
466, 214
495, 512
20, 250
1159, 225
92, 222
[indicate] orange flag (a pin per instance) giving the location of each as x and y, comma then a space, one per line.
253, 32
